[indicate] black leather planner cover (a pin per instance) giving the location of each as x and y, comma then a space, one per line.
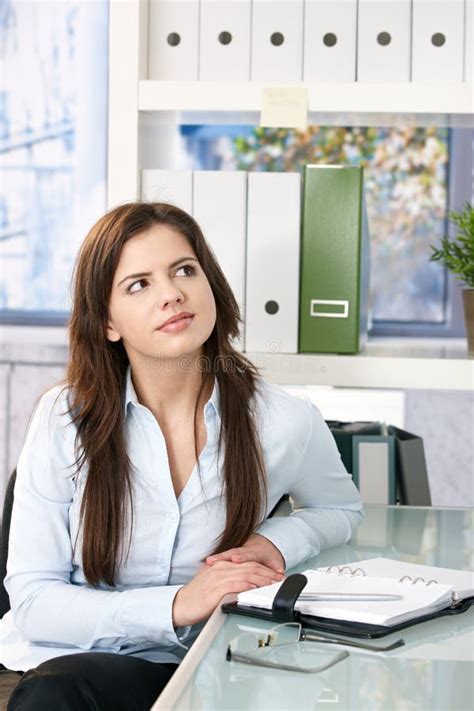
283, 611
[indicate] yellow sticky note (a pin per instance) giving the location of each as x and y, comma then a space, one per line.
284, 107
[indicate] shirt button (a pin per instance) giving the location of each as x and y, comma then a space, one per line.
172, 517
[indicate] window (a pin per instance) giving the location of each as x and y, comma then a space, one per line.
412, 177
53, 133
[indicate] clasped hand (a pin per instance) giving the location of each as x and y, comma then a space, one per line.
255, 564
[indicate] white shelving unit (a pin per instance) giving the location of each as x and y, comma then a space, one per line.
402, 364
451, 100
425, 364
385, 363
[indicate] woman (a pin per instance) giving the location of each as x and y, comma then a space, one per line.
145, 483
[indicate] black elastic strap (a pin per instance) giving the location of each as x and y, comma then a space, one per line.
283, 609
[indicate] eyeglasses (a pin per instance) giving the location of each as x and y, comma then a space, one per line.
283, 647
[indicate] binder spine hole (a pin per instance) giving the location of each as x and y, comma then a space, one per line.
225, 37
329, 39
277, 39
384, 38
271, 307
173, 39
438, 39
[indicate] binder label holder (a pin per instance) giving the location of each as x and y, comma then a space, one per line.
344, 313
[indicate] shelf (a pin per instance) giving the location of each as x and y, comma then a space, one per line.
423, 364
391, 363
450, 102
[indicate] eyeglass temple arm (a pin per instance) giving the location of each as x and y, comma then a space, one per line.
311, 637
263, 663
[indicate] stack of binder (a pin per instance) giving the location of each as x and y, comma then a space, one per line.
387, 463
252, 223
296, 293
310, 40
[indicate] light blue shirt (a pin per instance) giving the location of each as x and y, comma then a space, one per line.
54, 610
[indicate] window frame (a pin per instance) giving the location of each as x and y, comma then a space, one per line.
97, 15
460, 191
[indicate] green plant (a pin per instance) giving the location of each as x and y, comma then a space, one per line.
458, 254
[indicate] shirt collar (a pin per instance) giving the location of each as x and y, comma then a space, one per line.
131, 396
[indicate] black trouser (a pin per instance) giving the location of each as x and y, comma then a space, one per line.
91, 681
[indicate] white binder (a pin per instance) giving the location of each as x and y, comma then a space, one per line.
383, 41
277, 40
468, 41
172, 186
330, 29
225, 40
438, 40
173, 39
273, 257
220, 209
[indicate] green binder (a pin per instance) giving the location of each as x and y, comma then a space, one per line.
335, 261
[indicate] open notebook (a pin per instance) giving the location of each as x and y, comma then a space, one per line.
425, 590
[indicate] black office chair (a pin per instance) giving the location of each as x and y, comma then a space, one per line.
8, 679
7, 516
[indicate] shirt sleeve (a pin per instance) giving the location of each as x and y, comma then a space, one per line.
46, 606
327, 505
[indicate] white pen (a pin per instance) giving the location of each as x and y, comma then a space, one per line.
342, 597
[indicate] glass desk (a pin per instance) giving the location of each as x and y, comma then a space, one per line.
433, 671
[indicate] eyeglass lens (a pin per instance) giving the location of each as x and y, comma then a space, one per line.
286, 633
281, 646
247, 642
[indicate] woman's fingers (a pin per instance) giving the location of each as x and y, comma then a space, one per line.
261, 581
235, 584
257, 574
251, 566
196, 600
226, 555
249, 553
234, 554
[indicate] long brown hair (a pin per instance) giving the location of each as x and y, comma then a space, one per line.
96, 376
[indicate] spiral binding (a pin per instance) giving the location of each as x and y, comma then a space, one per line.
359, 572
414, 581
345, 570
